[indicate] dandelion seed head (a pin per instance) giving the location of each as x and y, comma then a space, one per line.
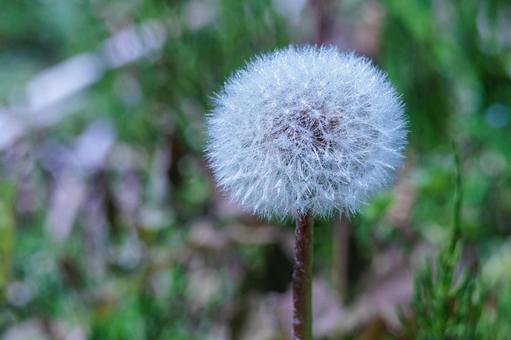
305, 129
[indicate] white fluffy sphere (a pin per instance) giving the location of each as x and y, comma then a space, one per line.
305, 129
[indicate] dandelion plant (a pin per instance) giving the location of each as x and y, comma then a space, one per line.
305, 132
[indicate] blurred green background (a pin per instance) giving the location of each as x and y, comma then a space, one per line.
111, 226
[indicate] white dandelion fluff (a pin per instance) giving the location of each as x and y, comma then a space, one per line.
305, 130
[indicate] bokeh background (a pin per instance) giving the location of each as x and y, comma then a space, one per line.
111, 226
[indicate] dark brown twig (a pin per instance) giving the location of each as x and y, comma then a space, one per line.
320, 10
340, 253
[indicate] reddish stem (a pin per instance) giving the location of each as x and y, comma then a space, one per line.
302, 279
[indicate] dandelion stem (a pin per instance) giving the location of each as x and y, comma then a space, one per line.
302, 279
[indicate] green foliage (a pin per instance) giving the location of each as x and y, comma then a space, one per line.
447, 304
7, 234
449, 300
